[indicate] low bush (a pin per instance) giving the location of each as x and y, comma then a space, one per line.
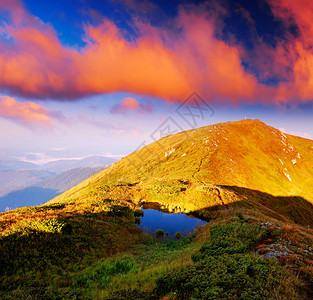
178, 235
159, 233
231, 238
28, 226
226, 268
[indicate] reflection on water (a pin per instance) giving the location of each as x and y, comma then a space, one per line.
155, 218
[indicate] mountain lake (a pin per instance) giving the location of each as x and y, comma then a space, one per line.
155, 218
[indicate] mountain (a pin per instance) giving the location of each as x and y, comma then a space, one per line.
68, 179
60, 166
19, 179
17, 176
249, 181
12, 165
38, 190
247, 154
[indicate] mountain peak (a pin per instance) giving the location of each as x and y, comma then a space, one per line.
247, 153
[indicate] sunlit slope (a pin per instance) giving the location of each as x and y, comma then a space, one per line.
246, 153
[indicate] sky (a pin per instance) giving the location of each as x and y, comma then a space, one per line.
91, 77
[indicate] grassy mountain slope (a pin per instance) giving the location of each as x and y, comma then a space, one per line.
257, 245
186, 170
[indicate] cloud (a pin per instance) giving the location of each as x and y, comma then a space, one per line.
292, 58
25, 113
159, 63
130, 104
15, 9
165, 62
58, 149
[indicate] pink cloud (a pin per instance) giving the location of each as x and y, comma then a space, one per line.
26, 113
130, 104
15, 9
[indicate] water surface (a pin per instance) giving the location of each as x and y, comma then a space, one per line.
154, 218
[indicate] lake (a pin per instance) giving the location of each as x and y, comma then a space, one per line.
154, 218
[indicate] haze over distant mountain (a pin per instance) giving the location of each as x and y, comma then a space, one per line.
68, 179
60, 166
13, 165
19, 179
39, 192
23, 183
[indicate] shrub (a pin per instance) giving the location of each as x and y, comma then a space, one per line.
231, 238
223, 277
138, 213
159, 233
178, 235
225, 268
27, 226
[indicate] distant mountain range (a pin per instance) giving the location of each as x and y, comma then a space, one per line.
57, 166
60, 166
13, 165
45, 189
23, 183
19, 179
68, 179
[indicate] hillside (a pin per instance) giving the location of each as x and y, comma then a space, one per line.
252, 183
182, 170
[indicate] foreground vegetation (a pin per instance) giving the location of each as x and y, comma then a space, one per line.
98, 252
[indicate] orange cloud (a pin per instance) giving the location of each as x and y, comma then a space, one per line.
130, 104
25, 113
157, 64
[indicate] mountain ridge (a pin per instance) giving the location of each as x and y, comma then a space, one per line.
219, 155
